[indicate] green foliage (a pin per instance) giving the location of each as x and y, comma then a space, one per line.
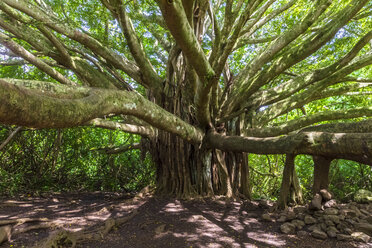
346, 177
63, 160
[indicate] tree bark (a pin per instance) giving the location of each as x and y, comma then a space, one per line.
290, 184
321, 173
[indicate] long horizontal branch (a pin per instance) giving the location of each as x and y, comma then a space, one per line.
26, 107
353, 146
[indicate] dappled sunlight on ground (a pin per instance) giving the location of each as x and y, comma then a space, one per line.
159, 222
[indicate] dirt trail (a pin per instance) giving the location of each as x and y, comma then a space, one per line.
159, 222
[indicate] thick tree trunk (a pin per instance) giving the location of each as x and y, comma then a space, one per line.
290, 184
321, 172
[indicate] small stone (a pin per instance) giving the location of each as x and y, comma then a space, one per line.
334, 218
160, 229
282, 218
360, 237
319, 234
299, 224
318, 213
325, 195
302, 233
331, 211
329, 223
365, 212
332, 234
309, 220
332, 229
356, 209
330, 204
288, 228
348, 230
300, 209
323, 226
316, 202
314, 227
343, 237
291, 215
369, 219
266, 217
348, 213
350, 221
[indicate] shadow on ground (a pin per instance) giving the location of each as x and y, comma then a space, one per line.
159, 222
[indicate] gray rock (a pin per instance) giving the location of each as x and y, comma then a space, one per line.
266, 217
343, 237
316, 202
331, 211
348, 230
332, 229
360, 237
332, 234
323, 226
300, 209
282, 218
329, 223
318, 213
369, 219
319, 234
350, 221
298, 223
160, 229
287, 228
330, 204
356, 209
348, 213
363, 196
364, 227
365, 212
302, 233
325, 195
309, 220
334, 218
314, 227
290, 215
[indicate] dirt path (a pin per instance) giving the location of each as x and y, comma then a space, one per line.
159, 222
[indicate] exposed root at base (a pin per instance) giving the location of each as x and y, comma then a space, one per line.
60, 237
68, 239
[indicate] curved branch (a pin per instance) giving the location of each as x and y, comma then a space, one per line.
33, 108
10, 137
120, 149
135, 47
128, 128
116, 60
19, 50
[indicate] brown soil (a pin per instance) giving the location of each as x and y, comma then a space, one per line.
159, 222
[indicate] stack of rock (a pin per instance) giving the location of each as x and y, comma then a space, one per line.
325, 218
